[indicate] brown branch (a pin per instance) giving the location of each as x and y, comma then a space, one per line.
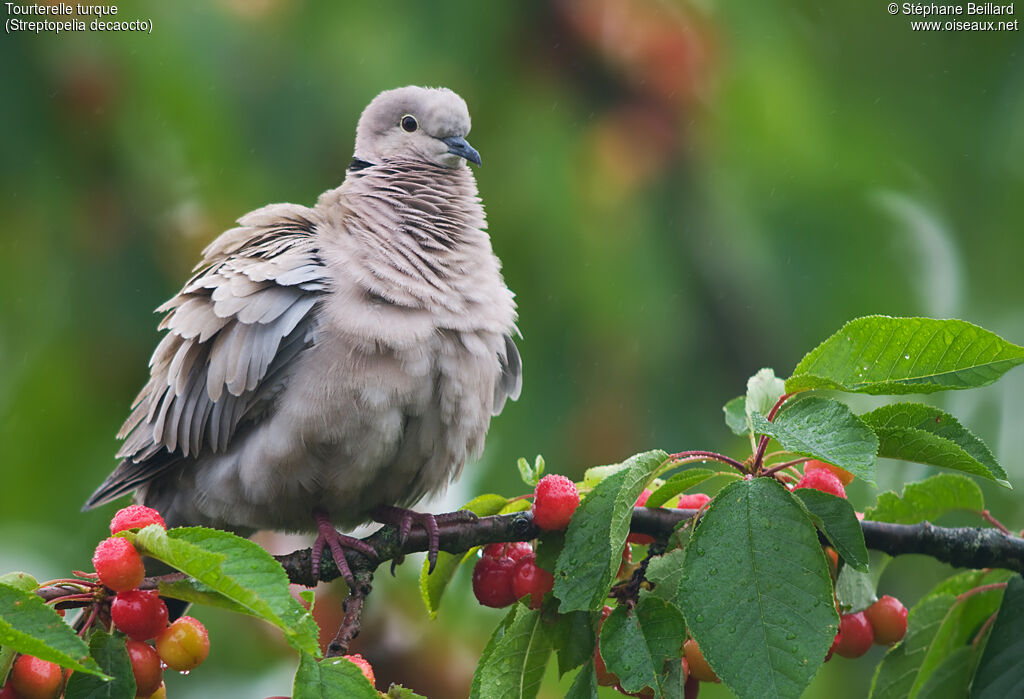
962, 547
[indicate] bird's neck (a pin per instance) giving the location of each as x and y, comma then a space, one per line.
418, 231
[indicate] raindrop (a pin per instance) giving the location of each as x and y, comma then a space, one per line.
713, 571
700, 551
790, 636
700, 618
906, 356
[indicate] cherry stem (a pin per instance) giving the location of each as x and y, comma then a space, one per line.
93, 612
987, 516
984, 628
762, 444
779, 467
685, 457
978, 590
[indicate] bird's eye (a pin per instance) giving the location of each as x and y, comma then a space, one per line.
409, 123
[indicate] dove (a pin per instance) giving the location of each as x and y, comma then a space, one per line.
330, 365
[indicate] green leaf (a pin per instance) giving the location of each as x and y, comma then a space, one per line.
939, 625
951, 679
572, 635
636, 643
927, 500
597, 533
585, 684
595, 474
756, 591
488, 651
839, 523
763, 390
665, 573
433, 585
531, 474
1001, 673
330, 678
397, 691
109, 651
736, 415
927, 435
888, 356
237, 569
515, 666
25, 583
855, 589
682, 481
824, 429
29, 625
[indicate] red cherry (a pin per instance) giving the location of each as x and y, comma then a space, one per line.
530, 579
145, 667
492, 582
554, 500
34, 678
888, 619
183, 645
844, 476
135, 517
140, 614
118, 564
364, 665
693, 501
513, 549
823, 480
855, 635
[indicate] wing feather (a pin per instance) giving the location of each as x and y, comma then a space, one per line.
232, 331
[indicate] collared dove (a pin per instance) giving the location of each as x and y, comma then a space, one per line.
333, 363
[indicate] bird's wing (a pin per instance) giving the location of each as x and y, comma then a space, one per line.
233, 330
510, 383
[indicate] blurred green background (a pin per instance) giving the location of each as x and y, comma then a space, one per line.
681, 193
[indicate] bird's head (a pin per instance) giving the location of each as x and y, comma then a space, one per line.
418, 123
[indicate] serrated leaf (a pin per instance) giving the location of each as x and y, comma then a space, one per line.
927, 500
595, 474
937, 627
433, 585
585, 684
597, 532
756, 591
855, 589
110, 653
839, 524
665, 573
677, 484
882, 355
397, 691
951, 679
572, 635
824, 429
330, 678
237, 569
515, 666
19, 581
763, 390
736, 415
927, 435
1000, 673
636, 643
488, 651
29, 625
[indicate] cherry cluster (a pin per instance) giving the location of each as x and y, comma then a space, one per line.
885, 621
139, 614
507, 572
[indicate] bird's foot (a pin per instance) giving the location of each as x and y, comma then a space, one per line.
329, 537
402, 519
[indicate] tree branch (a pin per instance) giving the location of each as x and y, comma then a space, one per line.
962, 547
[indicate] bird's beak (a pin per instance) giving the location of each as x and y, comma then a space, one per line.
459, 146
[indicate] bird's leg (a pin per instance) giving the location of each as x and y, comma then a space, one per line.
402, 520
328, 537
